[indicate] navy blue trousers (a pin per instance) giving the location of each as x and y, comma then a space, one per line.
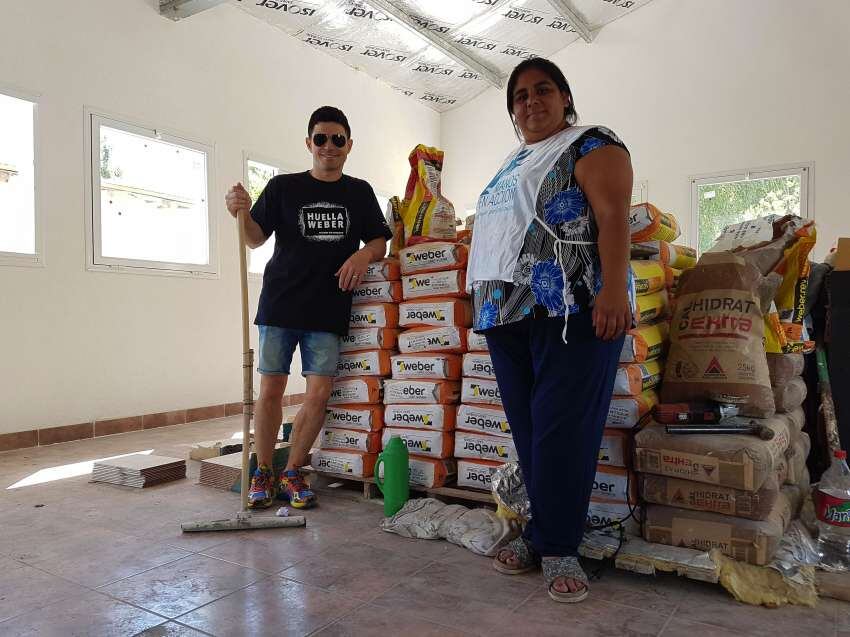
556, 398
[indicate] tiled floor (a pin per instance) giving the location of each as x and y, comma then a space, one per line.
78, 558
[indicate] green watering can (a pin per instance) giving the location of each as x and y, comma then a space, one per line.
395, 483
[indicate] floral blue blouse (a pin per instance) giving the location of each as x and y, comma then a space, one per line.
538, 278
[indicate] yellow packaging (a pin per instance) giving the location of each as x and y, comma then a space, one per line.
651, 307
647, 223
426, 214
649, 276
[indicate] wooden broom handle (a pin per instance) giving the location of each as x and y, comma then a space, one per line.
247, 363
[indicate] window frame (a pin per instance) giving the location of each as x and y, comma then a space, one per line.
95, 261
38, 259
804, 170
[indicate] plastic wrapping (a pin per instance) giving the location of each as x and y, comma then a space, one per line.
509, 490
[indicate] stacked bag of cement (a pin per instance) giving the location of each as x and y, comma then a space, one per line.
726, 491
421, 398
354, 421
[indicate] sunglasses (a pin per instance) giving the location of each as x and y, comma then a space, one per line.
320, 139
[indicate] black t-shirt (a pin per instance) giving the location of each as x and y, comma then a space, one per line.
317, 226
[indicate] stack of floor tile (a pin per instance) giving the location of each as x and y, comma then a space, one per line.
421, 397
223, 472
139, 470
351, 438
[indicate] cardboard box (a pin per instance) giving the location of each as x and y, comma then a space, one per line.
751, 541
737, 461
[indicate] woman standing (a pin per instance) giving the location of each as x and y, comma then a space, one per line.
552, 293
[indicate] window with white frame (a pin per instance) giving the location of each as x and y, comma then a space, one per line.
639, 192
723, 199
257, 175
150, 200
19, 232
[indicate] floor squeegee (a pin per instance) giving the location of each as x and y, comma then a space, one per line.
244, 520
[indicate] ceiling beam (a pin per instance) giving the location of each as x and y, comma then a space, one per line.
567, 10
179, 9
447, 47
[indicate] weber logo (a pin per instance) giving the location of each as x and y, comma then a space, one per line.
423, 446
485, 448
345, 417
377, 291
483, 367
424, 367
410, 419
441, 341
604, 487
362, 365
419, 283
479, 476
426, 315
364, 318
475, 421
291, 8
485, 392
428, 255
323, 222
413, 391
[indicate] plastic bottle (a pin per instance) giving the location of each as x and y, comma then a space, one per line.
832, 502
395, 484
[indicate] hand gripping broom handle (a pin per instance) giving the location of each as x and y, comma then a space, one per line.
247, 363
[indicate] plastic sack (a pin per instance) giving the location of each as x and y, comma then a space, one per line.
481, 531
426, 214
648, 223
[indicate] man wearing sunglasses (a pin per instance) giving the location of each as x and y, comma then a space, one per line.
319, 218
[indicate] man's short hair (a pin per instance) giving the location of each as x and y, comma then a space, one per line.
328, 114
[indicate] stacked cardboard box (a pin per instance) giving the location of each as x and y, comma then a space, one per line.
354, 421
420, 399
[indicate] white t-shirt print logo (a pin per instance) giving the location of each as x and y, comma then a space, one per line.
323, 221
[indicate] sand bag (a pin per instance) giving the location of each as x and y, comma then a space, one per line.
371, 363
783, 367
359, 417
430, 473
426, 214
422, 518
479, 391
614, 484
350, 440
716, 351
615, 450
634, 378
448, 283
418, 392
438, 312
753, 505
352, 463
484, 447
374, 315
437, 417
649, 276
433, 257
476, 365
645, 343
789, 396
394, 222
751, 541
603, 513
477, 342
447, 340
377, 292
651, 307
648, 223
423, 442
481, 531
672, 278
627, 411
796, 455
365, 338
737, 461
483, 419
383, 270
366, 390
796, 420
426, 365
476, 474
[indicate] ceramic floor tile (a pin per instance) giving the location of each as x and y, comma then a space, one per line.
431, 550
171, 629
373, 621
354, 569
712, 605
23, 588
81, 616
685, 628
660, 594
274, 607
183, 586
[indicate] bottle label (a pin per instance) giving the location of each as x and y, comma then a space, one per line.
833, 511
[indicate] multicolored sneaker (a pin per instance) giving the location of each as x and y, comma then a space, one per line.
291, 487
261, 495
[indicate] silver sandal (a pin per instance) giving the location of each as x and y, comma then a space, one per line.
525, 555
568, 568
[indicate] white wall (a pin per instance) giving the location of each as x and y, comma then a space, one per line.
695, 87
79, 345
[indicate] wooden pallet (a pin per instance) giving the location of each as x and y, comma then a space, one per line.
367, 489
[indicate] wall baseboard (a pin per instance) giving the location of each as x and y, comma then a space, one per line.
108, 427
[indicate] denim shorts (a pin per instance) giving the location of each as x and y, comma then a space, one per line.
319, 351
